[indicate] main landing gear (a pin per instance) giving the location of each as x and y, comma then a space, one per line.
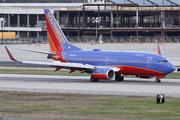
93, 79
157, 80
119, 78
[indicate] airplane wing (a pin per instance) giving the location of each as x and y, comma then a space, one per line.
73, 66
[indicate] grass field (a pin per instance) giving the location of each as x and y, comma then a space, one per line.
57, 106
66, 73
79, 106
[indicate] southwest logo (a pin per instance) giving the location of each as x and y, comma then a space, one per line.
55, 28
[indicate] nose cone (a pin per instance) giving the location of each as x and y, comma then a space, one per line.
170, 68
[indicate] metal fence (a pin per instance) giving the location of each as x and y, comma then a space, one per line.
105, 39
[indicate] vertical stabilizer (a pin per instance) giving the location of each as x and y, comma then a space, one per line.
57, 39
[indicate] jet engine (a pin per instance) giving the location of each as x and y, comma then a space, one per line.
103, 73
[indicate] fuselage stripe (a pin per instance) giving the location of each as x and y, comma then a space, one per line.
120, 66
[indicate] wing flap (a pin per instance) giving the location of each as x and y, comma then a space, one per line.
77, 65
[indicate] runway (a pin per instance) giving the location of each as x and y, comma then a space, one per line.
82, 85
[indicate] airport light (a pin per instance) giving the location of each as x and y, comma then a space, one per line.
97, 21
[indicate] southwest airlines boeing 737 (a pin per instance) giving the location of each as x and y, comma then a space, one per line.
100, 64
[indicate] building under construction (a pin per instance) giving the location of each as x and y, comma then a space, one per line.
112, 18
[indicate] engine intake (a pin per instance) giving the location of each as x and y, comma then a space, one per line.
103, 73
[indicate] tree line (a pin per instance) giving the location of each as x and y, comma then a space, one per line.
43, 1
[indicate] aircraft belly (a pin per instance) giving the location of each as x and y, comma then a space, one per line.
130, 70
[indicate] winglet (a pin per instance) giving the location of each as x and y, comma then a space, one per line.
159, 50
10, 55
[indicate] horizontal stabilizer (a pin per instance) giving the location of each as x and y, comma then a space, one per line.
37, 51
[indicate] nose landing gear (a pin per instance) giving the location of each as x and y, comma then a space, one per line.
157, 80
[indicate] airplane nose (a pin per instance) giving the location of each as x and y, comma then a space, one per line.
171, 68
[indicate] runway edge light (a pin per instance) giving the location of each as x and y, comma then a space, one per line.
160, 98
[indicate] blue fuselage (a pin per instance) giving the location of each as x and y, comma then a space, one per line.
130, 63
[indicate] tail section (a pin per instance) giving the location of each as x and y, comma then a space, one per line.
57, 39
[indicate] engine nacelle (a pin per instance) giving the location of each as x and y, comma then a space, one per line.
103, 73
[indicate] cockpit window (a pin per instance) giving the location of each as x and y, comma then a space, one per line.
161, 61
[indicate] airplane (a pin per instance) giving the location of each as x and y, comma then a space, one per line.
100, 64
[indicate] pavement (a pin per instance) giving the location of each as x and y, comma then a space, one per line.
82, 85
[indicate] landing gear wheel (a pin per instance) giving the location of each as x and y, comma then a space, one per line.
93, 79
122, 78
119, 78
157, 80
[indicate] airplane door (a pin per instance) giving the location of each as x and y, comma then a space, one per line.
65, 57
107, 60
148, 63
